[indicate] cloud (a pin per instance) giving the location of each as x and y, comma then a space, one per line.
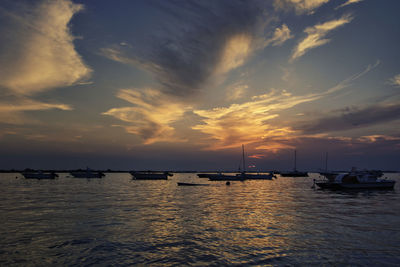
12, 109
151, 116
351, 118
247, 123
281, 35
348, 2
300, 6
250, 122
395, 80
316, 36
199, 42
236, 92
37, 51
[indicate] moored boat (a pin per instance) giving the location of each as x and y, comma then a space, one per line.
295, 172
258, 176
357, 180
226, 177
149, 175
203, 175
39, 175
88, 173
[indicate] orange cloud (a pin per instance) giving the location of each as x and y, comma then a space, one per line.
256, 156
151, 116
40, 55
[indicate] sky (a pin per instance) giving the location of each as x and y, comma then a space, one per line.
182, 84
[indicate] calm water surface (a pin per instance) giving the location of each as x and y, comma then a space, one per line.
120, 221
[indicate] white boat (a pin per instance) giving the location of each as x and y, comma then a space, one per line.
357, 180
149, 175
87, 174
39, 175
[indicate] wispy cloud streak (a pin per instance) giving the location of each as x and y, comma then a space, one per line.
300, 6
250, 122
316, 36
348, 2
199, 42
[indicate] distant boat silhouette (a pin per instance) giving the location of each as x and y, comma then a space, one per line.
295, 172
328, 174
253, 176
87, 174
149, 175
39, 175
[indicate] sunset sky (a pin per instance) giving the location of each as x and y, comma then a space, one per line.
182, 84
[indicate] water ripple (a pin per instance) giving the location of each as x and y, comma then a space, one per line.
118, 221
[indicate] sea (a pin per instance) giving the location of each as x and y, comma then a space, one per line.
118, 221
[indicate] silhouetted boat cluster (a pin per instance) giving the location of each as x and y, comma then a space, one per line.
356, 179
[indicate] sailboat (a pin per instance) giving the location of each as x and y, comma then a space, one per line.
253, 176
295, 172
330, 175
226, 177
240, 176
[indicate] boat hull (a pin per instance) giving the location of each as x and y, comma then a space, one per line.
40, 176
372, 185
223, 177
204, 175
87, 175
294, 174
149, 176
259, 176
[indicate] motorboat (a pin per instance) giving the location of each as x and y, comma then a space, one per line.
88, 173
258, 176
149, 175
295, 172
39, 175
357, 180
226, 177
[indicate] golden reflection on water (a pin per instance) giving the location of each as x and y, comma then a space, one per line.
117, 220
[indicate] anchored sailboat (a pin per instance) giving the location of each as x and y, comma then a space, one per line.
295, 172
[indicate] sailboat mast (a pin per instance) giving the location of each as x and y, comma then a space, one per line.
326, 162
244, 164
295, 152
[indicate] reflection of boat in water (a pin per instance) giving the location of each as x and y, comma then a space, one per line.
149, 175
295, 172
87, 174
357, 180
39, 175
